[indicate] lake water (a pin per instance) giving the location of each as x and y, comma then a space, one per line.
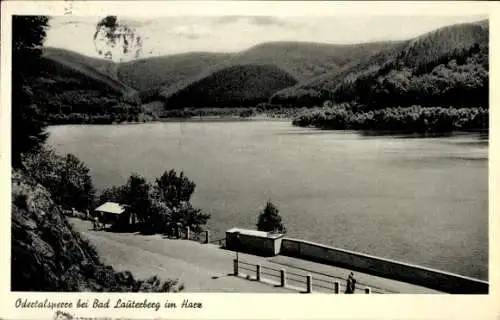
419, 200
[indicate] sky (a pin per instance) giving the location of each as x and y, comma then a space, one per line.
231, 33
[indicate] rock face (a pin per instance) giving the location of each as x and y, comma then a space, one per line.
48, 255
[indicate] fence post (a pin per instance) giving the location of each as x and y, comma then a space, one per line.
336, 287
188, 233
207, 236
367, 290
309, 283
257, 272
235, 267
283, 277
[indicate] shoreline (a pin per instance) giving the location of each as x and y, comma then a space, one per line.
484, 134
222, 119
188, 119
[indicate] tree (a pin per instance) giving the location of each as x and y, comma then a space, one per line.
188, 216
114, 194
160, 206
42, 166
76, 188
28, 125
137, 197
270, 220
67, 178
173, 194
175, 189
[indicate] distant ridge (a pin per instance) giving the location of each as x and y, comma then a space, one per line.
448, 66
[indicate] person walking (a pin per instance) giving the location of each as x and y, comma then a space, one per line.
351, 284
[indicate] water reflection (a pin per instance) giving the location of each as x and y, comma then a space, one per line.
483, 136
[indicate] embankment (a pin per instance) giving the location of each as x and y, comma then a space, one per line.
435, 279
48, 255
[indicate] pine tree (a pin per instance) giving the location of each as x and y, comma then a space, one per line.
28, 125
270, 220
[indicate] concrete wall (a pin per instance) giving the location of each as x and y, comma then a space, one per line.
253, 245
277, 245
435, 279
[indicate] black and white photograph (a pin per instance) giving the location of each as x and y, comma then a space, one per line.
240, 153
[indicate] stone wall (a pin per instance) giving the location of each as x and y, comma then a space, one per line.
435, 279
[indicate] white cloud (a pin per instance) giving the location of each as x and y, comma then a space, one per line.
192, 31
179, 34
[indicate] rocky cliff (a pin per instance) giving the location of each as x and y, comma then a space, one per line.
48, 255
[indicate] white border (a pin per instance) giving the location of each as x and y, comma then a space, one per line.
261, 306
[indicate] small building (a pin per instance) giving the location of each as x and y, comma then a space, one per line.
115, 214
254, 242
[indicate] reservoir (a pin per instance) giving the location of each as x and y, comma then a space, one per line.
417, 200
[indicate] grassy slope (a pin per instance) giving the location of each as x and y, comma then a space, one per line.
232, 86
392, 64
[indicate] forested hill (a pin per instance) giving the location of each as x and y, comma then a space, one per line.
73, 88
305, 60
443, 68
150, 75
245, 85
446, 67
316, 90
158, 78
99, 69
162, 77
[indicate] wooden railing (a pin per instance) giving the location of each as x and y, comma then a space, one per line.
202, 237
304, 282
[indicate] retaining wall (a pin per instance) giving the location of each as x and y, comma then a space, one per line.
435, 279
254, 245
